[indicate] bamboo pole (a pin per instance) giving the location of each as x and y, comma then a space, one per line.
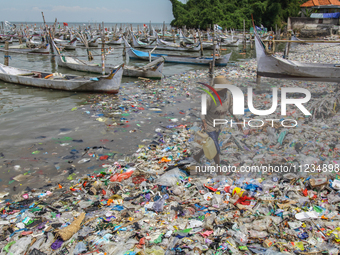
103, 50
6, 53
212, 70
244, 36
201, 45
163, 30
275, 31
150, 28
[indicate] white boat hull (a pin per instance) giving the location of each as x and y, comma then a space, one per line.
130, 71
23, 48
219, 61
275, 67
137, 44
108, 84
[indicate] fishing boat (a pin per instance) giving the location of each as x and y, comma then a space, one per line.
269, 65
180, 59
93, 42
231, 43
115, 41
109, 83
152, 70
3, 40
185, 39
67, 45
23, 48
177, 47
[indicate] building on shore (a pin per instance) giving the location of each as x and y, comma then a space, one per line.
318, 18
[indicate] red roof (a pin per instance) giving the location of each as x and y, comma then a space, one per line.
311, 3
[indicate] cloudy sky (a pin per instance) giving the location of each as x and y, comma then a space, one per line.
87, 10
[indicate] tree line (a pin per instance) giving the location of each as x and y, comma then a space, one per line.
231, 13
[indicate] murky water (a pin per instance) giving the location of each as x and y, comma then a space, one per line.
43, 133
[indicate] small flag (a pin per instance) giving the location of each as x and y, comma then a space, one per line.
65, 24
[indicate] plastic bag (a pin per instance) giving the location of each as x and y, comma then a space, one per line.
170, 178
272, 135
80, 248
333, 198
258, 234
120, 177
20, 246
36, 252
158, 206
274, 252
209, 221
85, 231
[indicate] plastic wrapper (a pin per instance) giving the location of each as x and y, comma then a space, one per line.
170, 178
20, 246
80, 248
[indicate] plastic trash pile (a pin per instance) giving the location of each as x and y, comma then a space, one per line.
157, 204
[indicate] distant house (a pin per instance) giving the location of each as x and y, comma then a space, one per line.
318, 18
315, 7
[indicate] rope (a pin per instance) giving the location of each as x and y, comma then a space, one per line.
8, 56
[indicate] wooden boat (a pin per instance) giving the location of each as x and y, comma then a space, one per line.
3, 40
185, 39
180, 59
67, 45
276, 67
116, 42
206, 45
152, 70
35, 40
231, 43
93, 42
138, 44
109, 83
22, 48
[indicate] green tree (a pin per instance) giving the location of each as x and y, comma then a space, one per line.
231, 13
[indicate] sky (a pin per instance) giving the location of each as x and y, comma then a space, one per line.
133, 11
